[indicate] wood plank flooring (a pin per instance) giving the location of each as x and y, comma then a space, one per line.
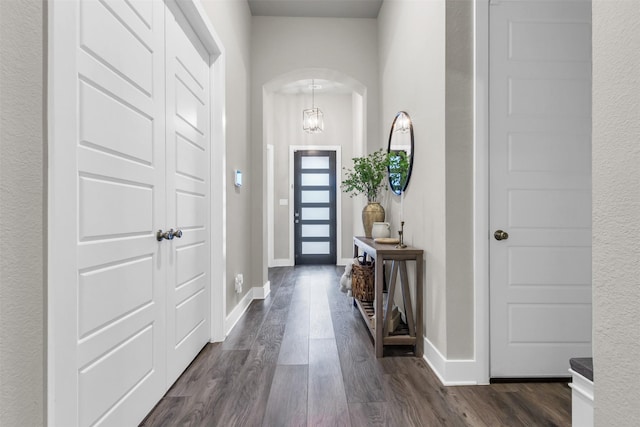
303, 357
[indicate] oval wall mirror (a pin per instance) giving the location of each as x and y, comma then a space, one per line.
401, 152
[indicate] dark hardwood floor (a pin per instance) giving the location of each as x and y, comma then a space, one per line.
304, 357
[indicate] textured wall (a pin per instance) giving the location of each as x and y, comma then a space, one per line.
22, 289
616, 212
232, 21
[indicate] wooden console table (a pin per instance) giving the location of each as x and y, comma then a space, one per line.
398, 257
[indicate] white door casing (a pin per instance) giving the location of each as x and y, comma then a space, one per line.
540, 186
113, 288
188, 183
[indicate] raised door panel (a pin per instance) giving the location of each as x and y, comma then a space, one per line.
540, 178
121, 202
188, 200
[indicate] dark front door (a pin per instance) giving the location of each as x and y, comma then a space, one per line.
315, 207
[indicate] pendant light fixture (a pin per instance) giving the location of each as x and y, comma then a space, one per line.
402, 123
312, 119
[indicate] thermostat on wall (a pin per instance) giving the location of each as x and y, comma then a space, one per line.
238, 181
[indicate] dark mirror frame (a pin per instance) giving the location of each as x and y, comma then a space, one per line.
396, 188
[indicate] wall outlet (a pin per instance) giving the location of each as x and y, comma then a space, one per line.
239, 282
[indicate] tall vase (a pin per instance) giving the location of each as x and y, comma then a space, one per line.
373, 212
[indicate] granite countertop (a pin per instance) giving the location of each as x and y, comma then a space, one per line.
583, 366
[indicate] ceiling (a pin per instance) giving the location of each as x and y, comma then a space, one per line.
316, 8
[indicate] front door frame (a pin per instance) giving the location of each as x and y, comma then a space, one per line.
299, 257
338, 150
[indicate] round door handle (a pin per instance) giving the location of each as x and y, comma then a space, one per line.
168, 235
501, 235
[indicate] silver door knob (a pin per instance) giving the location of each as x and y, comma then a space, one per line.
501, 235
165, 235
177, 233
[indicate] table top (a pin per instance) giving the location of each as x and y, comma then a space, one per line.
387, 250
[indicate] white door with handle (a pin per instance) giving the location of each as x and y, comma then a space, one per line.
540, 186
188, 182
123, 317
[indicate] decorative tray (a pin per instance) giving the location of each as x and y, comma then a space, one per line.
387, 240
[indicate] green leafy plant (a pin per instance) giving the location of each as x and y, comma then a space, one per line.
367, 176
398, 170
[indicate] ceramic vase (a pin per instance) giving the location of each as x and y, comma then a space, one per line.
373, 212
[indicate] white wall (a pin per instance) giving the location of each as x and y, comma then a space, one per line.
283, 45
616, 212
426, 69
22, 214
287, 130
459, 179
232, 21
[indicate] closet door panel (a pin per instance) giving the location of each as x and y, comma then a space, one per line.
113, 311
188, 201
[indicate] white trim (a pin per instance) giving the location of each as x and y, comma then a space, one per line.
292, 237
281, 262
257, 292
62, 217
270, 202
199, 21
338, 150
581, 384
581, 400
237, 312
261, 292
481, 192
449, 372
218, 200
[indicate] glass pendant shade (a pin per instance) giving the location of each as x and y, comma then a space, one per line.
402, 124
312, 120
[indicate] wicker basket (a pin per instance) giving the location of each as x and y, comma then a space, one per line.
362, 280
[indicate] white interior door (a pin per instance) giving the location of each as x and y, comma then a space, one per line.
107, 199
129, 156
540, 186
188, 182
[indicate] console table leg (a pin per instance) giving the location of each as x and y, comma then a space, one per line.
390, 294
406, 295
419, 311
378, 308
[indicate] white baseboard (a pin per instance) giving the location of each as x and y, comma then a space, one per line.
281, 262
261, 292
237, 312
344, 261
257, 292
450, 372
